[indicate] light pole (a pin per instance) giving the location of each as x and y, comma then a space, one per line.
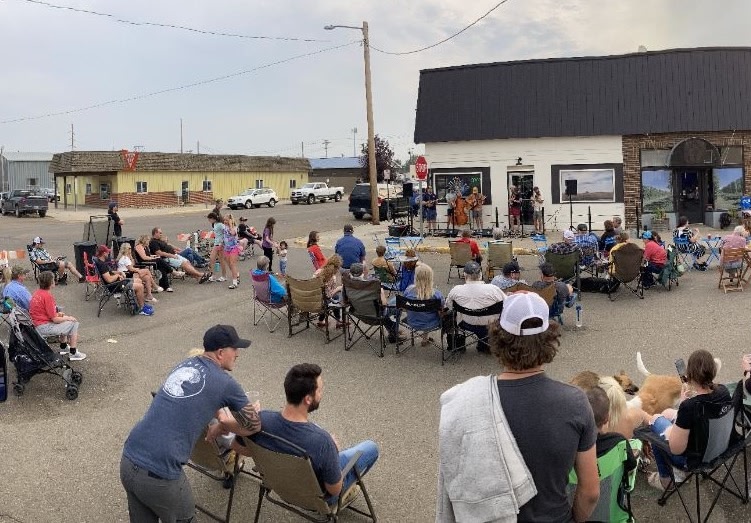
372, 173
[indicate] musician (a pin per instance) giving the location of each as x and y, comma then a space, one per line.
430, 214
515, 209
451, 201
475, 202
537, 201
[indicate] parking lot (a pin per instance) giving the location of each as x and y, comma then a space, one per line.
59, 460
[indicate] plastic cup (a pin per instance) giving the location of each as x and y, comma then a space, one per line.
253, 396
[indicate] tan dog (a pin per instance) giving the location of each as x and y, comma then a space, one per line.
587, 380
658, 392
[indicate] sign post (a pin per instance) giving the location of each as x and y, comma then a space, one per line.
421, 171
387, 177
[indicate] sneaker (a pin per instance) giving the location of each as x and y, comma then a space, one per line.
82, 279
169, 289
221, 278
63, 352
232, 286
655, 481
211, 279
159, 289
146, 312
78, 356
204, 278
151, 298
179, 274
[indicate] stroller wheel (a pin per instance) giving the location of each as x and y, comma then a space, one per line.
71, 392
18, 388
76, 377
228, 481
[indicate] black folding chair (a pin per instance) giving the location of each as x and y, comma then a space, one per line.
406, 305
363, 314
458, 330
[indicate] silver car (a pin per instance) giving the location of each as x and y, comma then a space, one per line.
253, 198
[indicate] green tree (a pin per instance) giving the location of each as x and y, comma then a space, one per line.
384, 159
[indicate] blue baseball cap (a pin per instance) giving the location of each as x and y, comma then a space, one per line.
647, 235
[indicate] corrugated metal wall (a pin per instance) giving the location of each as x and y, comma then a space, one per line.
19, 174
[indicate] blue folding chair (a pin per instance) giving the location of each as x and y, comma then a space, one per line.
683, 246
393, 247
541, 245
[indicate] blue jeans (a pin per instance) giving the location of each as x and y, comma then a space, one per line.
364, 463
663, 467
282, 267
482, 333
193, 257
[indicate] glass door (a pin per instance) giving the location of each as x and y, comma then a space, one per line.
690, 193
524, 181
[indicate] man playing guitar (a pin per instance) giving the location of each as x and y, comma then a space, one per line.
475, 202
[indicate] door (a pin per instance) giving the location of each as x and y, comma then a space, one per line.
524, 181
184, 192
691, 193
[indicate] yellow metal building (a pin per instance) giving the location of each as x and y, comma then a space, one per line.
153, 179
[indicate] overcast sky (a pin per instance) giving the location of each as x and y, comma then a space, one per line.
55, 60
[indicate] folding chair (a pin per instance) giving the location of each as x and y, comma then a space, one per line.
547, 293
566, 267
540, 242
388, 280
289, 481
393, 247
207, 459
670, 272
40, 268
363, 314
627, 268
723, 447
405, 306
688, 258
93, 281
499, 253
460, 254
491, 310
262, 299
616, 484
123, 297
730, 275
308, 298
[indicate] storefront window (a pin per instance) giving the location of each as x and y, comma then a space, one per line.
657, 191
728, 187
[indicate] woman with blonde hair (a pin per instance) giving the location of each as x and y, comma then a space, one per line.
621, 418
423, 289
144, 255
231, 248
332, 287
125, 265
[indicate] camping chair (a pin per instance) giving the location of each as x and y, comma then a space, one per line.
307, 298
262, 300
393, 247
566, 267
540, 242
94, 286
616, 484
40, 268
388, 280
730, 278
671, 271
288, 481
406, 305
627, 268
499, 253
547, 293
207, 459
458, 331
124, 297
723, 447
363, 314
460, 255
688, 258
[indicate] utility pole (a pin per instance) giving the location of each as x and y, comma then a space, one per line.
72, 138
372, 173
326, 147
181, 135
302, 149
354, 142
198, 147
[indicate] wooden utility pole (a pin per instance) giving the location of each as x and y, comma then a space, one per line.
373, 174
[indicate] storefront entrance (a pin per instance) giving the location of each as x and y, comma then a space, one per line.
524, 181
693, 193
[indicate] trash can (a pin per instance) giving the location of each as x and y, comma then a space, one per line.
397, 231
83, 247
117, 241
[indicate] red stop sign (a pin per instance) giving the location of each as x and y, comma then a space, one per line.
421, 168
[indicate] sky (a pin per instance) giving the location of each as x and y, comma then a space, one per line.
287, 95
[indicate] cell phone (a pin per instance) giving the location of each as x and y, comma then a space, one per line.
680, 366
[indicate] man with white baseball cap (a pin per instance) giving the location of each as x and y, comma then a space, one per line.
39, 256
538, 430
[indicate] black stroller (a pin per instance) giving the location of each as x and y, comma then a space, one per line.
32, 355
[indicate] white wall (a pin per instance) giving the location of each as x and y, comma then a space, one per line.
537, 154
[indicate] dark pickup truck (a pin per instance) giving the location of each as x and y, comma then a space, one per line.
21, 202
391, 201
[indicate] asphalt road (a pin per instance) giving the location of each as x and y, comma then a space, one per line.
59, 459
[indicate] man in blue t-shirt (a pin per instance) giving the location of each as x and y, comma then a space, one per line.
351, 249
303, 387
151, 468
15, 289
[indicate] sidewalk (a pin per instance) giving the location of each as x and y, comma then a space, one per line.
82, 214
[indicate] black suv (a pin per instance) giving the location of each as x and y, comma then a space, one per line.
394, 205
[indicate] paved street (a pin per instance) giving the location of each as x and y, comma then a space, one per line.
59, 459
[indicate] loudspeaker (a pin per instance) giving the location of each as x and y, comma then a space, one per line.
570, 187
407, 190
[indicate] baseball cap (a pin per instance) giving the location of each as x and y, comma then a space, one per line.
243, 219
522, 306
472, 268
17, 270
510, 267
221, 336
568, 235
102, 249
112, 205
37, 240
646, 235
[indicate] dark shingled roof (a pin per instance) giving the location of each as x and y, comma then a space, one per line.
111, 161
679, 90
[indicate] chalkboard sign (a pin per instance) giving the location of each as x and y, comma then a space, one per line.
464, 181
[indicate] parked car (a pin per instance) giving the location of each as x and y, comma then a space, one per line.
391, 201
50, 194
253, 198
316, 191
21, 202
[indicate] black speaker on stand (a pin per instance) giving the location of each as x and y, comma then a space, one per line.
571, 190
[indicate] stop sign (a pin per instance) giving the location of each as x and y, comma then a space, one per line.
421, 168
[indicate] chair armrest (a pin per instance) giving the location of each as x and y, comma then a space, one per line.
351, 463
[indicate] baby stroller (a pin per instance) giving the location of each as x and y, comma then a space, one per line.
31, 354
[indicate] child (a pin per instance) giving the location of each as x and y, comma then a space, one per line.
282, 251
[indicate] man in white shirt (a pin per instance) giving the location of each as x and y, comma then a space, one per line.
475, 294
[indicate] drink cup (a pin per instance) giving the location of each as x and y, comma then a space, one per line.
254, 398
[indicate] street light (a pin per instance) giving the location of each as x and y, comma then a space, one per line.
372, 173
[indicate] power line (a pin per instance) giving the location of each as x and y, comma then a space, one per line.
496, 6
169, 26
178, 88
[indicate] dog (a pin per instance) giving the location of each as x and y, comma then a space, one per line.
658, 392
587, 380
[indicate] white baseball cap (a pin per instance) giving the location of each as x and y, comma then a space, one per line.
37, 240
522, 306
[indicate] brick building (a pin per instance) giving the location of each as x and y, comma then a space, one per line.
639, 135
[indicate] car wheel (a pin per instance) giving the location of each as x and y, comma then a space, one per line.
295, 202
272, 202
18, 212
337, 197
248, 204
311, 199
42, 214
358, 215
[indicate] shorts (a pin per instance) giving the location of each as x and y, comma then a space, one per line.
232, 251
477, 213
177, 262
537, 215
65, 328
515, 211
450, 211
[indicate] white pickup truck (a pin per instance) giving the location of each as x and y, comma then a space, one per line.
316, 191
